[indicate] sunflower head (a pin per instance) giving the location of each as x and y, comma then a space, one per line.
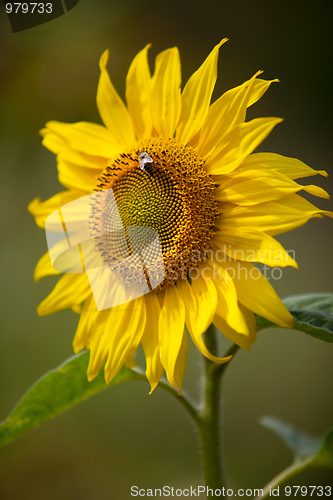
191, 209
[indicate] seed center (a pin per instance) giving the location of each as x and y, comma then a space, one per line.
171, 196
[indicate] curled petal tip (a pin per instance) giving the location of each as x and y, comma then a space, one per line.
224, 40
104, 59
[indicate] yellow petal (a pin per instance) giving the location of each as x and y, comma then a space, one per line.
171, 329
165, 94
88, 138
181, 363
44, 268
237, 144
255, 293
112, 109
124, 329
53, 141
76, 177
138, 88
196, 97
77, 308
60, 146
253, 246
206, 300
291, 167
98, 163
244, 341
273, 217
98, 344
253, 186
189, 299
86, 324
150, 341
42, 209
260, 87
130, 361
229, 110
227, 301
71, 289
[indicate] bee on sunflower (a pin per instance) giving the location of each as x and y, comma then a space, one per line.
186, 169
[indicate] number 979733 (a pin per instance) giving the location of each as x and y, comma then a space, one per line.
28, 8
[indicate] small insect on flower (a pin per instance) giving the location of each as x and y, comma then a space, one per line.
146, 162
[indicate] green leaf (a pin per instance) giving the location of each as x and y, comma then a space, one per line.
56, 392
301, 444
313, 315
325, 456
316, 324
311, 301
311, 450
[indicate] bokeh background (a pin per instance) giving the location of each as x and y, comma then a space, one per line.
123, 437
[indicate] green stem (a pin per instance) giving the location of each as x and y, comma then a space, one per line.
209, 423
184, 400
207, 418
281, 478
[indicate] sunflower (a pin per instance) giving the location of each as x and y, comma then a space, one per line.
184, 168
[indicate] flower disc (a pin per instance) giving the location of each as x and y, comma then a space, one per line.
173, 196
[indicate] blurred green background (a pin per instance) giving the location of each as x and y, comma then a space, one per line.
124, 437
